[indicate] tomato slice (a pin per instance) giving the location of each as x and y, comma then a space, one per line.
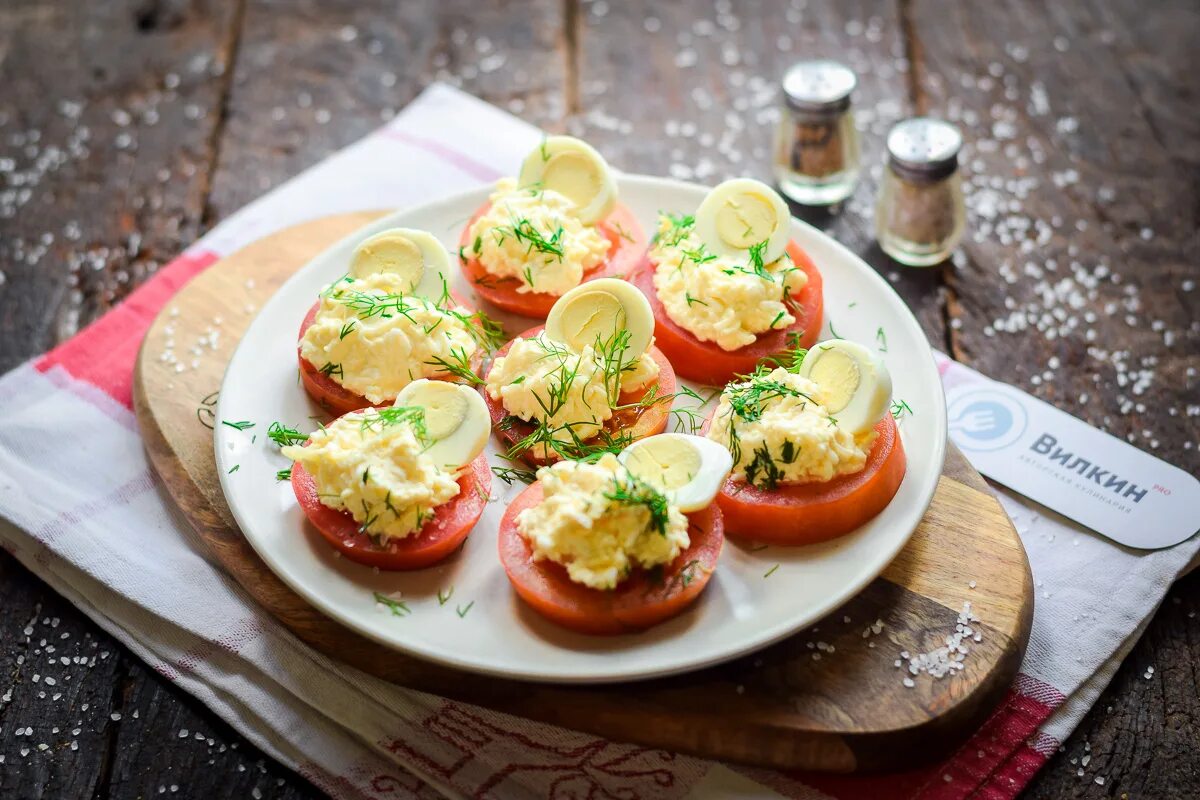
815, 512
441, 536
337, 399
706, 362
642, 600
628, 247
640, 423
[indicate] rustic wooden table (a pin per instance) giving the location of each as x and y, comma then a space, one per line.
128, 127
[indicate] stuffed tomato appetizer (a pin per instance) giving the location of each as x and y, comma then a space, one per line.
397, 488
391, 320
815, 448
728, 286
590, 380
554, 227
620, 544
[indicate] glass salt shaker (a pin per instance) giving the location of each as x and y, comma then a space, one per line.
816, 143
920, 217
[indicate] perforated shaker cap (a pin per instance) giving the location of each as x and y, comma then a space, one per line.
923, 148
819, 86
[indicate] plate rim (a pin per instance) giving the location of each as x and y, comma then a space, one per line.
764, 637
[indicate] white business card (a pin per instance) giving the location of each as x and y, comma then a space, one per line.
1062, 462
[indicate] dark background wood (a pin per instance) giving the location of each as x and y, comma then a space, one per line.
128, 127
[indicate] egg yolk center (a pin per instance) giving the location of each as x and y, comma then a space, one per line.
838, 376
394, 254
590, 317
574, 176
745, 220
664, 464
445, 409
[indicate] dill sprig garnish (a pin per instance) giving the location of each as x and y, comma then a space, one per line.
240, 425
331, 370
525, 232
574, 448
681, 226
284, 474
398, 607
284, 435
900, 408
762, 471
379, 418
444, 596
629, 490
512, 474
457, 364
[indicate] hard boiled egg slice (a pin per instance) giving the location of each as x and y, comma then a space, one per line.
856, 387
416, 256
456, 420
575, 170
689, 470
596, 310
740, 214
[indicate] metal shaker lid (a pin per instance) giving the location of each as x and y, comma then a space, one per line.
819, 86
923, 148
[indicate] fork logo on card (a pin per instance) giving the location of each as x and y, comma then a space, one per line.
1062, 462
986, 420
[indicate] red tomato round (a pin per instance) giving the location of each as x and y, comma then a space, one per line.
441, 535
642, 600
706, 362
620, 227
640, 423
814, 512
337, 399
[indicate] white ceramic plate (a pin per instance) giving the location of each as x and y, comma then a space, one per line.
740, 611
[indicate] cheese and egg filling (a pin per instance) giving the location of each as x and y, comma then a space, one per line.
373, 464
534, 235
573, 394
373, 339
778, 430
721, 299
599, 522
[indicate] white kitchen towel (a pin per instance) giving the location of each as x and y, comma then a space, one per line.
89, 518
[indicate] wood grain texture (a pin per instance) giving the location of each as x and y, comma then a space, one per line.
779, 707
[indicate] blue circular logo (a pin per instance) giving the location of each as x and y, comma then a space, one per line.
985, 419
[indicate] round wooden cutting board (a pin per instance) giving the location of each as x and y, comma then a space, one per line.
827, 699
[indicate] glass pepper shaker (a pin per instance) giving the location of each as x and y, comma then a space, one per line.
920, 217
816, 143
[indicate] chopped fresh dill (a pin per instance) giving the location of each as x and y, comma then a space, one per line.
444, 596
478, 245
284, 474
762, 471
775, 321
881, 337
240, 425
462, 610
234, 469
832, 332
283, 435
511, 474
690, 300
526, 233
330, 370
759, 548
620, 229
346, 330
756, 258
771, 571
681, 226
629, 490
900, 408
398, 607
395, 415
458, 364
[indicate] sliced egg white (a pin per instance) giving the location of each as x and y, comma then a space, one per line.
689, 470
416, 256
594, 311
456, 420
575, 170
740, 214
856, 387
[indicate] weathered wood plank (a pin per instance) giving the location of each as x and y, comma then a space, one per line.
1082, 260
106, 125
312, 78
689, 90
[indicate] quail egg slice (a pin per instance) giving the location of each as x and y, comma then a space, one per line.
416, 256
575, 170
688, 469
741, 214
596, 310
856, 387
456, 420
